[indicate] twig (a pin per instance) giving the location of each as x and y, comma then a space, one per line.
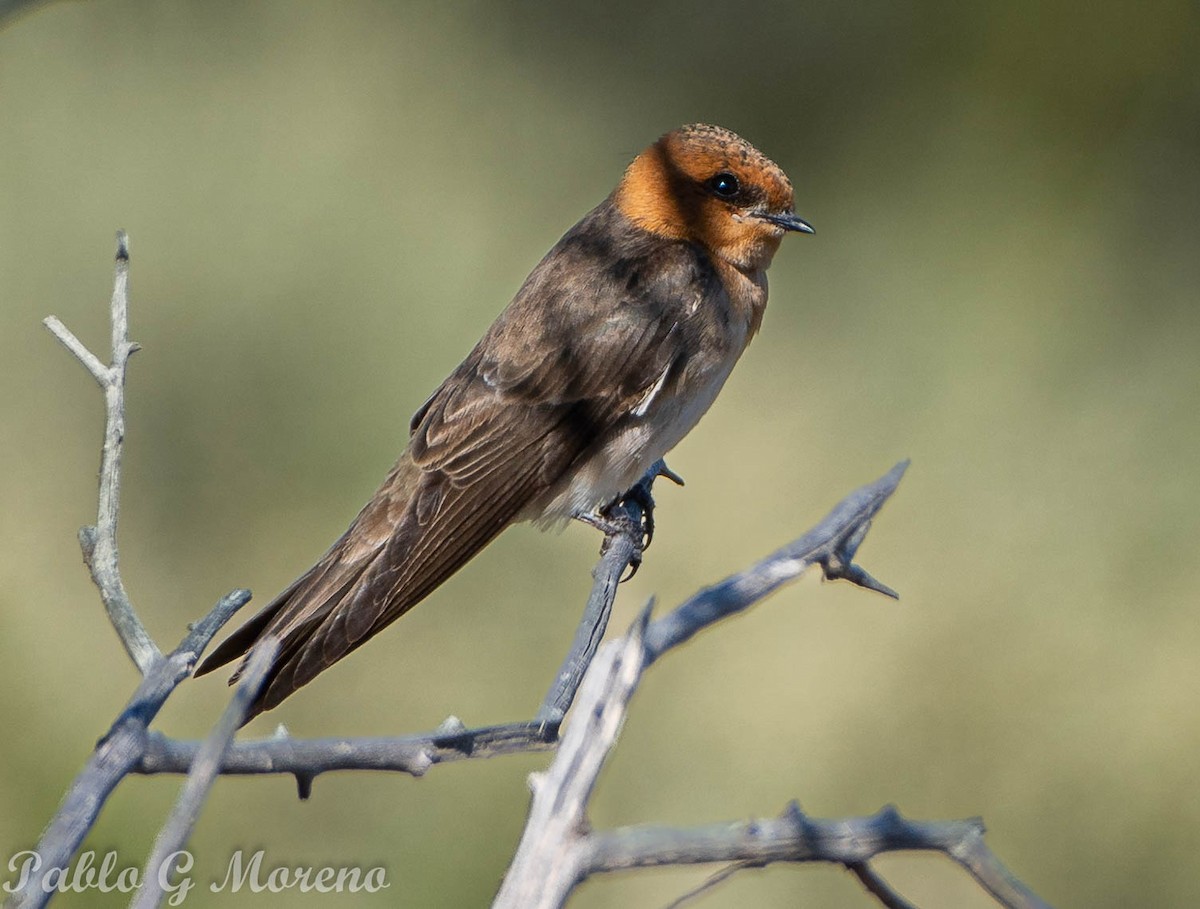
615, 557
714, 879
832, 544
973, 854
99, 542
178, 827
119, 751
415, 754
566, 852
67, 338
878, 887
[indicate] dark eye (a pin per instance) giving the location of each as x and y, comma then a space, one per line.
724, 185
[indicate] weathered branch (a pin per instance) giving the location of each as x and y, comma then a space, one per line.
307, 758
832, 544
118, 752
619, 550
99, 542
553, 856
121, 747
717, 877
878, 887
795, 837
559, 850
207, 765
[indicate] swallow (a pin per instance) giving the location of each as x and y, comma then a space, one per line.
611, 351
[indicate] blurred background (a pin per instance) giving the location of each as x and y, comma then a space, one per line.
329, 202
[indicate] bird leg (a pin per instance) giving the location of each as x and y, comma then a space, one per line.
614, 520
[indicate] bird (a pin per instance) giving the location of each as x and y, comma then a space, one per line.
613, 348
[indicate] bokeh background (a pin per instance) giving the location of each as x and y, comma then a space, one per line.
328, 202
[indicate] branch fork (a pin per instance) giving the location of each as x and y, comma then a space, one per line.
99, 541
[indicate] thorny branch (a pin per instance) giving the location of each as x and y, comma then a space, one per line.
796, 837
558, 849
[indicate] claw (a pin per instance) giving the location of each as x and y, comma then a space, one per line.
612, 527
640, 496
612, 523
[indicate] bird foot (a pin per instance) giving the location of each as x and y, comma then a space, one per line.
614, 520
615, 523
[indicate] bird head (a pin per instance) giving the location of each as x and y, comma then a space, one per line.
709, 186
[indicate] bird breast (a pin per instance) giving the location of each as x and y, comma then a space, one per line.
659, 419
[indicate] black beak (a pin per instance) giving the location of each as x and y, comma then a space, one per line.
789, 221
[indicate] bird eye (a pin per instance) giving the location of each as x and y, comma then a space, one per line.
724, 185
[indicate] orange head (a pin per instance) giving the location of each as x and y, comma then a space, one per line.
709, 186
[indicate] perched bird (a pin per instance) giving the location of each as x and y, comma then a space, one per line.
613, 348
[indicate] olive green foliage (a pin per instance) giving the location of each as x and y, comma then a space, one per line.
328, 203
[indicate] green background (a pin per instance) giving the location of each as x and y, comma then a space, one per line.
329, 202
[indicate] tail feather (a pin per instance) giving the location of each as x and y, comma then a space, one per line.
419, 528
238, 644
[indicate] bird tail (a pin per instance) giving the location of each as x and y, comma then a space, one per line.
313, 618
416, 531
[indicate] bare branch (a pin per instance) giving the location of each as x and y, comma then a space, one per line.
99, 542
554, 855
118, 752
795, 837
205, 769
307, 758
832, 544
974, 855
558, 849
415, 754
616, 555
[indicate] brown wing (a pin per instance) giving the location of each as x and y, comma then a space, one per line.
553, 376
